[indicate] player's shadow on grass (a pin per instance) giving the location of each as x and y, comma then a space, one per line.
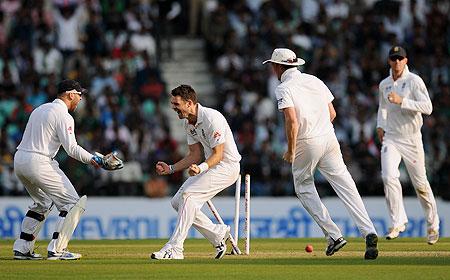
404, 260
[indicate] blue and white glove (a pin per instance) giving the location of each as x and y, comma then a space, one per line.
109, 161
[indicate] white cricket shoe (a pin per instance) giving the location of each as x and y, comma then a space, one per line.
394, 232
432, 236
167, 253
221, 248
65, 256
28, 256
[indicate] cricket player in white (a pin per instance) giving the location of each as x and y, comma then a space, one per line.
403, 99
312, 144
210, 139
50, 126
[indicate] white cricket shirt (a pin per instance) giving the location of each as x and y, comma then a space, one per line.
50, 126
211, 130
310, 98
405, 119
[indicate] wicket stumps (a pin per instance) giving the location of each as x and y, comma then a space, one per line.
234, 238
247, 214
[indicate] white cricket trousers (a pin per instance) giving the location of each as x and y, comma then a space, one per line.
46, 184
393, 150
191, 197
324, 153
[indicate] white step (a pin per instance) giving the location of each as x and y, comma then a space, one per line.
181, 78
185, 66
188, 66
187, 43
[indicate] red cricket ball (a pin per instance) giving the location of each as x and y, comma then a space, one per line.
309, 248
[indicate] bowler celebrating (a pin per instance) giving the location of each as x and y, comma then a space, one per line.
208, 135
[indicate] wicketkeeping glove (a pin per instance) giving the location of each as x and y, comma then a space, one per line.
109, 161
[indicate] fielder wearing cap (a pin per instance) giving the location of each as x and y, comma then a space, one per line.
312, 144
403, 98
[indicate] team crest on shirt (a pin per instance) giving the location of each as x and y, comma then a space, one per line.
388, 88
70, 130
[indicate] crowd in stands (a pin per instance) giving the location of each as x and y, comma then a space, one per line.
114, 48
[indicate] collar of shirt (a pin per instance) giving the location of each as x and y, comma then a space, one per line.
404, 73
287, 73
200, 115
60, 102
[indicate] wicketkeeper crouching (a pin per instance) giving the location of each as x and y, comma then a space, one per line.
49, 127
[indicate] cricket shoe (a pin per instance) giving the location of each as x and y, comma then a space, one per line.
371, 247
221, 248
335, 246
432, 236
394, 232
167, 253
64, 255
28, 256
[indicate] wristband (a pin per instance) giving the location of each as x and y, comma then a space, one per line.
171, 169
203, 167
98, 160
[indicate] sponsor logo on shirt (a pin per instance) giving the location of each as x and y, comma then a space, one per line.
203, 134
193, 132
280, 101
216, 135
403, 86
70, 130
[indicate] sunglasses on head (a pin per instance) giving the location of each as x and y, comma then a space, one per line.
395, 58
75, 91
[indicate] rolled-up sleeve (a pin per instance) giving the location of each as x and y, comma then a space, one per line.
284, 99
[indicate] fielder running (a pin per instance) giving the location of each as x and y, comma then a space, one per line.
306, 103
207, 132
50, 126
403, 98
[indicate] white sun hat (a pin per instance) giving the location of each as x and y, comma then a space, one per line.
285, 57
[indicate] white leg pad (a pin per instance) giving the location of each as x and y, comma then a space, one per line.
68, 227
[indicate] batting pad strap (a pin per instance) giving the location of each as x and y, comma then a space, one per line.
26, 236
35, 215
55, 235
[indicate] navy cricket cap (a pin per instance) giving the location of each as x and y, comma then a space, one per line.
68, 85
397, 51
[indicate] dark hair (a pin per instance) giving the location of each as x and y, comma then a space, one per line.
286, 67
186, 92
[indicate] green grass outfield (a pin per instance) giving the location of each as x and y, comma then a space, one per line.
403, 258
